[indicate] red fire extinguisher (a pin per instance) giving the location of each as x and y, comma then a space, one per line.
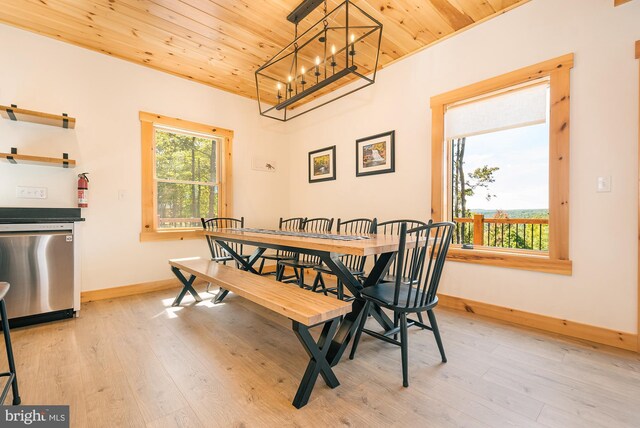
83, 190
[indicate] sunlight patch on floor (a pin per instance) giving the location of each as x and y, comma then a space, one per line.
187, 301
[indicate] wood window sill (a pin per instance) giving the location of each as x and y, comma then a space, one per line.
537, 261
170, 235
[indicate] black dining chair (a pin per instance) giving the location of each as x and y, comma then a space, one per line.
304, 261
355, 264
392, 228
421, 256
294, 223
219, 254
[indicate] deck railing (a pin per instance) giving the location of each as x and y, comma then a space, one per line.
521, 233
176, 223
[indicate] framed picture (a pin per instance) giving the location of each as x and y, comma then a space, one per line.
376, 154
263, 164
322, 165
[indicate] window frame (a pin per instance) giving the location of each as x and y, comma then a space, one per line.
557, 259
149, 228
637, 56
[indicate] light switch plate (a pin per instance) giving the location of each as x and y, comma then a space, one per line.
25, 192
604, 184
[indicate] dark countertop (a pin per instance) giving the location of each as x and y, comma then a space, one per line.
40, 215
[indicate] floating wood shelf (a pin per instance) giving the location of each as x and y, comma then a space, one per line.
18, 114
15, 158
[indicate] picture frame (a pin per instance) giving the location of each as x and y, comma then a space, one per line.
259, 163
322, 165
376, 154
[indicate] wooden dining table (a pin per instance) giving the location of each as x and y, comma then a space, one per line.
329, 248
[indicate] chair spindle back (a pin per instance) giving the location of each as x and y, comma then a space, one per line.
357, 226
222, 223
392, 227
315, 225
421, 256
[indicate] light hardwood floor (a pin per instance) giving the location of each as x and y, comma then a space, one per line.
135, 361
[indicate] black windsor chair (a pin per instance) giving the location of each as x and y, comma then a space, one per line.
421, 263
355, 264
304, 261
294, 223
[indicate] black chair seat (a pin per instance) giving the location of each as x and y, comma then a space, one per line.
325, 269
277, 257
299, 264
392, 278
383, 294
224, 259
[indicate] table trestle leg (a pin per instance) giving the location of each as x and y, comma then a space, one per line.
220, 295
318, 363
187, 285
244, 264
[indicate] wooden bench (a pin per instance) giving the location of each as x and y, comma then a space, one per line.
305, 309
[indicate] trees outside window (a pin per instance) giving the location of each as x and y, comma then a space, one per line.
186, 178
186, 175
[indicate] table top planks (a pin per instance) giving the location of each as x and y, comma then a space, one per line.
295, 303
377, 244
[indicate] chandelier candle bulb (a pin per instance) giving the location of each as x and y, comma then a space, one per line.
302, 71
290, 88
352, 52
279, 86
333, 58
317, 73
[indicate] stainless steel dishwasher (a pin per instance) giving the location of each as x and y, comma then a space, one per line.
37, 259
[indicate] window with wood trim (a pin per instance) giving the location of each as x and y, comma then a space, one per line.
498, 168
478, 129
185, 176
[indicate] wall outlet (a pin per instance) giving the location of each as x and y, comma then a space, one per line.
31, 192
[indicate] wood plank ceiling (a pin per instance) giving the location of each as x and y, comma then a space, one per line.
222, 42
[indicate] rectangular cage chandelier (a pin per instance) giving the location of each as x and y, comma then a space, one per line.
334, 57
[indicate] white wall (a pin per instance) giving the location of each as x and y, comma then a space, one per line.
604, 135
105, 95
